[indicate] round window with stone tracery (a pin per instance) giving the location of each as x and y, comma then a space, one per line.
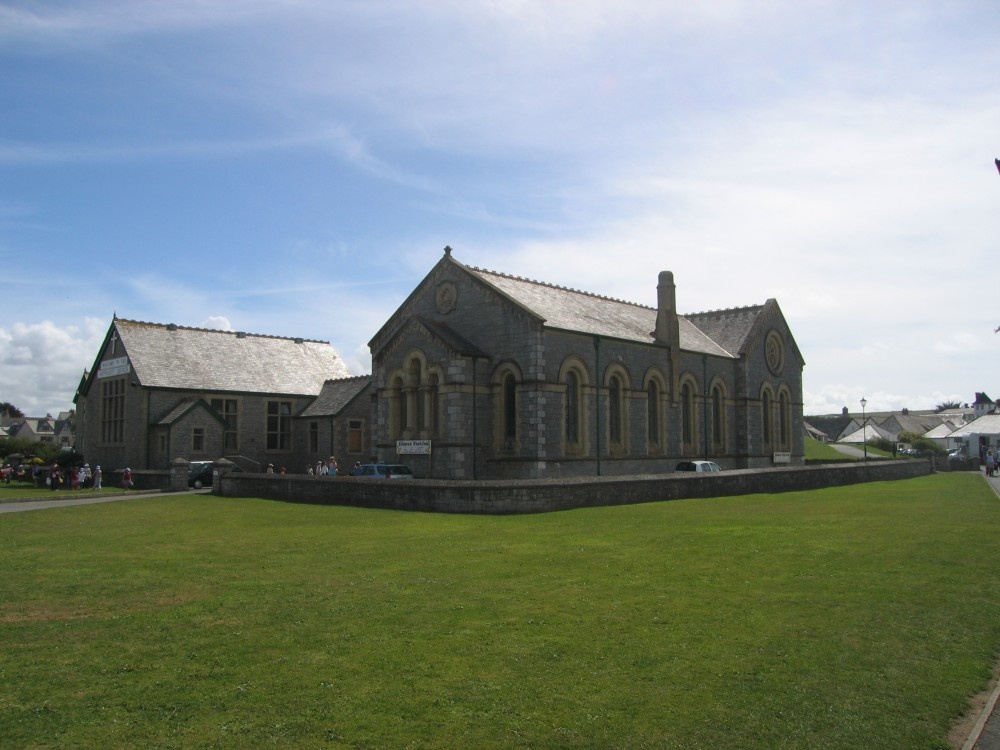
774, 352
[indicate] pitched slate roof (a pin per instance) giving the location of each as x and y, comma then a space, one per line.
988, 424
169, 356
583, 312
186, 406
336, 395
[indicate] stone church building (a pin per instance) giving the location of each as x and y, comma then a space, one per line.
500, 377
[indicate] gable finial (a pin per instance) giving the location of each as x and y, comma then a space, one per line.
447, 250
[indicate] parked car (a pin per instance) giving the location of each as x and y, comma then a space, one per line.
383, 471
697, 466
200, 474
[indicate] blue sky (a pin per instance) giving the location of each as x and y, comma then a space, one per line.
295, 168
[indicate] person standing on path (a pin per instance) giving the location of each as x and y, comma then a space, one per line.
97, 478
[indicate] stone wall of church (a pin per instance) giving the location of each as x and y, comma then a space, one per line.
545, 495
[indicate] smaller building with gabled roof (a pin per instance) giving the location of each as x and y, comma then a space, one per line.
157, 392
336, 424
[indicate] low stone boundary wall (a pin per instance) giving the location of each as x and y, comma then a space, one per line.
544, 495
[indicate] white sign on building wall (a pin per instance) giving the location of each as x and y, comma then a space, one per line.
413, 447
112, 367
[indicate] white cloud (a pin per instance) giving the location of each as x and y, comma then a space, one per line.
41, 363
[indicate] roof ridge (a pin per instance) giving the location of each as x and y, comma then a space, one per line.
349, 377
724, 310
561, 288
240, 334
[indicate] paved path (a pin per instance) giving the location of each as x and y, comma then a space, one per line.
985, 734
64, 499
852, 450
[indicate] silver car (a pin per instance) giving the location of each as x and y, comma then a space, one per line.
697, 466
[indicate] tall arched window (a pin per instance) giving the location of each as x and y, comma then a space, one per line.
653, 414
718, 419
615, 410
784, 419
399, 410
767, 417
414, 399
572, 409
419, 410
687, 415
509, 411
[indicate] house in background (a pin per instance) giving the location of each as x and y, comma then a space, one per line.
979, 435
158, 392
58, 430
983, 405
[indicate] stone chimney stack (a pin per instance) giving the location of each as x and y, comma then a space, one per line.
667, 329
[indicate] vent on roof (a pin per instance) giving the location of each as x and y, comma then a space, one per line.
171, 326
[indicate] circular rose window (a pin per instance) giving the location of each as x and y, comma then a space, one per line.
774, 351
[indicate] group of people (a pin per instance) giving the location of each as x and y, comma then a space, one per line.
77, 477
324, 468
9, 473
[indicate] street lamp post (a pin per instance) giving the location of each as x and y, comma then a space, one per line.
864, 435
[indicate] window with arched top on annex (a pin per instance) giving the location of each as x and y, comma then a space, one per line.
689, 424
718, 399
574, 378
655, 387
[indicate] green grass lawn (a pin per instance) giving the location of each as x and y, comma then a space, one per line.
859, 617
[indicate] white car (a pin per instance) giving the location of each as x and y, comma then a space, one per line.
697, 466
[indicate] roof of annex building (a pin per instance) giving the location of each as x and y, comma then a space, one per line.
336, 395
206, 360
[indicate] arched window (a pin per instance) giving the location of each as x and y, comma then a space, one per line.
784, 419
767, 417
653, 414
572, 409
687, 415
419, 410
414, 399
615, 410
509, 411
718, 419
398, 408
